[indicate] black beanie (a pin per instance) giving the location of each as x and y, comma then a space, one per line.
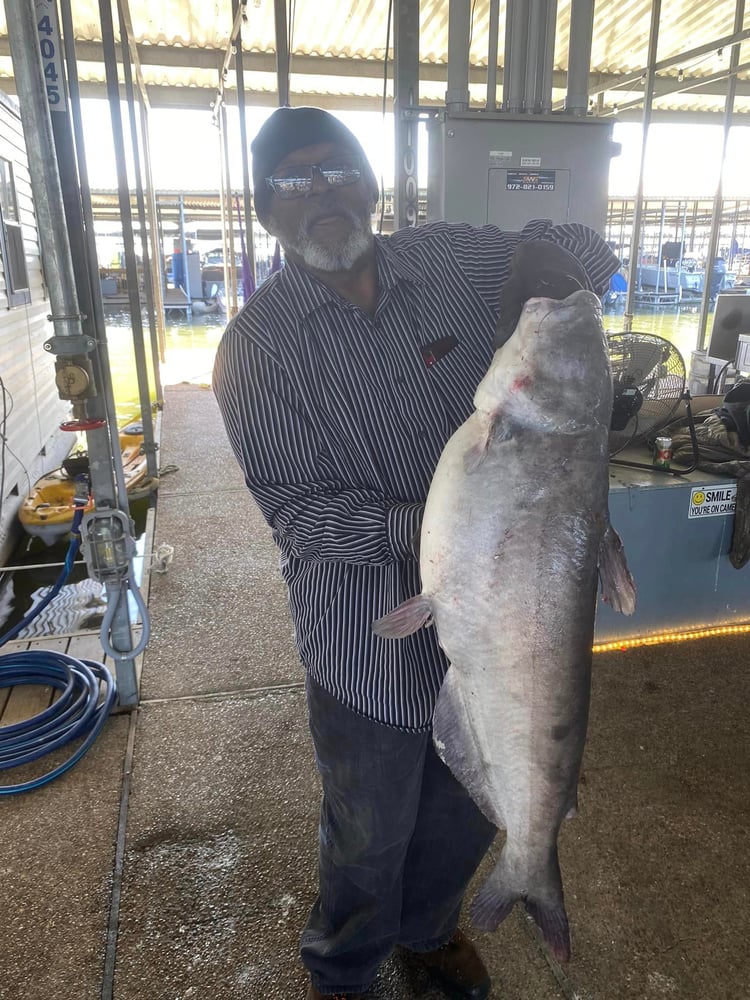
288, 129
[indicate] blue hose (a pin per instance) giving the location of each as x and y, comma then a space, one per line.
76, 714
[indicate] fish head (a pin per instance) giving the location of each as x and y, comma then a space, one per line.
553, 372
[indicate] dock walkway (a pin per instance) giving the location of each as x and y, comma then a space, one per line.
177, 860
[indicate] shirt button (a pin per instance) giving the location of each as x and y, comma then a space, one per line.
400, 380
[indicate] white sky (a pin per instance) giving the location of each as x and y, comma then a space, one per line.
682, 160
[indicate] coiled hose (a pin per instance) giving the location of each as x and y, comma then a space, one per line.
77, 714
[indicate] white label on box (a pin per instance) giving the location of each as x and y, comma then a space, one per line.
713, 501
531, 161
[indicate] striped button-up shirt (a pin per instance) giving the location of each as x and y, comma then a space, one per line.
338, 419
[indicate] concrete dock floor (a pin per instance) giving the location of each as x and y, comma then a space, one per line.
177, 860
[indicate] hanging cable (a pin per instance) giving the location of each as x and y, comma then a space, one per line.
75, 543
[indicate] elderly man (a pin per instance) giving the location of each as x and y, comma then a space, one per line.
339, 383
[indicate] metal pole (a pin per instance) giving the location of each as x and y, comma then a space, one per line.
648, 96
102, 448
713, 239
516, 76
157, 249
579, 56
246, 199
229, 268
282, 52
131, 269
48, 197
157, 246
184, 252
491, 100
534, 43
60, 273
459, 29
406, 96
548, 58
148, 284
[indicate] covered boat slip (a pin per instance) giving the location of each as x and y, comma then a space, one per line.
178, 858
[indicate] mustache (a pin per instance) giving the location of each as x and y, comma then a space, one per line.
326, 208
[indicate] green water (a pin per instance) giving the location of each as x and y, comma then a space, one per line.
677, 324
191, 345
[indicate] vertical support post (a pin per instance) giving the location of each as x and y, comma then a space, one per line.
535, 39
547, 48
126, 218
459, 31
406, 121
516, 45
282, 52
148, 284
157, 246
35, 101
491, 100
579, 56
713, 239
227, 216
648, 99
107, 479
247, 207
184, 252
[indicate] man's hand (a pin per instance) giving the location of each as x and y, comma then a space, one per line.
537, 269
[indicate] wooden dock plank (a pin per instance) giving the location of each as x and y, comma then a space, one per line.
26, 701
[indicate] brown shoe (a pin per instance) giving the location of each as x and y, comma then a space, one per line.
458, 969
313, 994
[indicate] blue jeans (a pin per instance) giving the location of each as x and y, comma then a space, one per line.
399, 841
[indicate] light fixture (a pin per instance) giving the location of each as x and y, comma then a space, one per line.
663, 637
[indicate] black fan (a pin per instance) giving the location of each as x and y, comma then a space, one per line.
648, 382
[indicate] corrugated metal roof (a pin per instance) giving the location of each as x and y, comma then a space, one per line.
338, 51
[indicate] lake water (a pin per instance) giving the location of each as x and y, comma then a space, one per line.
191, 345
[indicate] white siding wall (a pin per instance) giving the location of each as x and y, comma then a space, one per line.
33, 442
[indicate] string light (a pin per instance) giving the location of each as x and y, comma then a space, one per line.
662, 637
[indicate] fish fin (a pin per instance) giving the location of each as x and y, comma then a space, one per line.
552, 921
543, 902
617, 585
456, 745
405, 619
498, 429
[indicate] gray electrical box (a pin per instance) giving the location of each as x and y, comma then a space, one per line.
509, 169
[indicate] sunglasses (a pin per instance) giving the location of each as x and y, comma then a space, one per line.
296, 180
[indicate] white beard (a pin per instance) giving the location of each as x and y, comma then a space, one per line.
333, 255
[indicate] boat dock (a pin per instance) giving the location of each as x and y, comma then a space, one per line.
176, 861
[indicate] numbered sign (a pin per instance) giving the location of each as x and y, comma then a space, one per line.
51, 48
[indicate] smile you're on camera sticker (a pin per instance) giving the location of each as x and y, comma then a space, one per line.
713, 501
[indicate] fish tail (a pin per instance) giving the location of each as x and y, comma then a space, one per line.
541, 895
552, 921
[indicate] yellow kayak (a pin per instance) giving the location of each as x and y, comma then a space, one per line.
47, 512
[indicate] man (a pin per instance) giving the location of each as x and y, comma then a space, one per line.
339, 383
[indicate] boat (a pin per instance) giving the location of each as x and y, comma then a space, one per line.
47, 511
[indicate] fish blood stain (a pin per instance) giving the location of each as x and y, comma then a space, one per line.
522, 382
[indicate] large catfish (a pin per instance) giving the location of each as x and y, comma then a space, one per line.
515, 527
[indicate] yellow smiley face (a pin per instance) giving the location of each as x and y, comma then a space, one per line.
699, 497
